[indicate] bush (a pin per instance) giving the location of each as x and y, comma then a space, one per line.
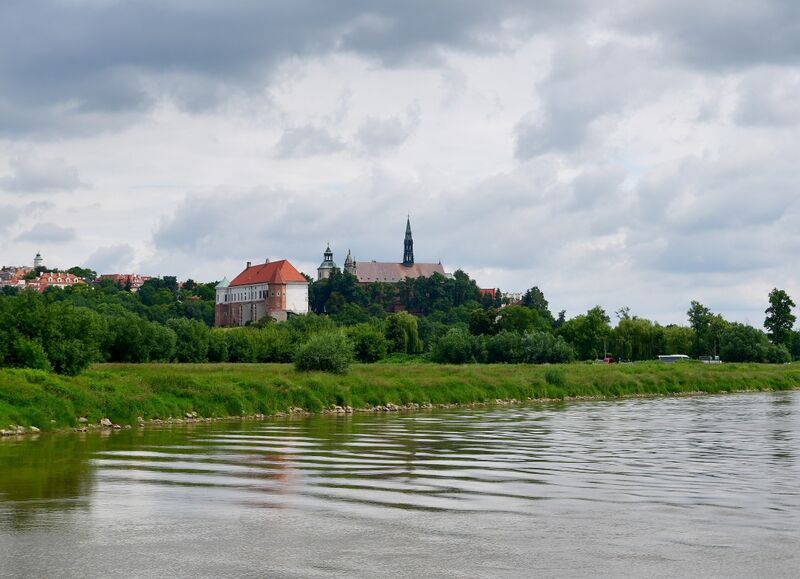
778, 354
328, 352
458, 346
543, 347
369, 344
503, 348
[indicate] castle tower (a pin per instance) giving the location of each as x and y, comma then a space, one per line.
327, 265
350, 264
37, 261
408, 246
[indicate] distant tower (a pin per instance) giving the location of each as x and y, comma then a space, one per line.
350, 264
324, 269
408, 246
37, 261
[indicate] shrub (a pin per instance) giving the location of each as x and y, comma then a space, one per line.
778, 354
503, 348
458, 346
328, 352
369, 344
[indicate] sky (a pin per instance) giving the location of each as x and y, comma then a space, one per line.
618, 153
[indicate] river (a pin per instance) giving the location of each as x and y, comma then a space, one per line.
699, 486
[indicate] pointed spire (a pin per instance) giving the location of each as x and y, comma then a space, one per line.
408, 245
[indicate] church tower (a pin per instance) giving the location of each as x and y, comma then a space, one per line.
38, 261
350, 264
327, 265
408, 246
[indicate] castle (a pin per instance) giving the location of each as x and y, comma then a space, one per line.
270, 289
379, 271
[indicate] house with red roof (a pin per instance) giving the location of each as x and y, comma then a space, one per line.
59, 279
272, 289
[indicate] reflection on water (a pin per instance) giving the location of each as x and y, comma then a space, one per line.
664, 487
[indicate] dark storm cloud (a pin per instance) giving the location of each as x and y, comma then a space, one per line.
63, 61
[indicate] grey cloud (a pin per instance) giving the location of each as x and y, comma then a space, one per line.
32, 174
8, 216
307, 141
586, 83
378, 135
111, 259
47, 233
114, 59
718, 34
769, 98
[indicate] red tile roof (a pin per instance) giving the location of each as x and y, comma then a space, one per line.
272, 272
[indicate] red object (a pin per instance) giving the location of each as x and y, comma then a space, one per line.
609, 360
273, 272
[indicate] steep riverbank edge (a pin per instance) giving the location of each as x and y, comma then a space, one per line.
128, 394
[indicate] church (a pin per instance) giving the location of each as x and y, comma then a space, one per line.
379, 271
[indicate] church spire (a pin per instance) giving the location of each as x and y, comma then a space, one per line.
408, 246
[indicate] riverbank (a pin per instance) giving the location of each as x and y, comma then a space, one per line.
126, 393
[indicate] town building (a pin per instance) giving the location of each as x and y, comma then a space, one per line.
131, 281
272, 289
13, 276
59, 279
380, 271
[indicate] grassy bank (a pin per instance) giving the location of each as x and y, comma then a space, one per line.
123, 392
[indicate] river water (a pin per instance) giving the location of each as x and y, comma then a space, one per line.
703, 486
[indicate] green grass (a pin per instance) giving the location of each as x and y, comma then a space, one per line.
122, 392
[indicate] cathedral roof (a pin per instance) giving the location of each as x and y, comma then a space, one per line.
271, 272
378, 271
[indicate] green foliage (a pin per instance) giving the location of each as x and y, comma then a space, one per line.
780, 320
458, 346
678, 339
217, 346
543, 347
192, 339
534, 299
588, 333
503, 348
369, 343
741, 343
402, 333
326, 352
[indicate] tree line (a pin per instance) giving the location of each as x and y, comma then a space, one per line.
440, 319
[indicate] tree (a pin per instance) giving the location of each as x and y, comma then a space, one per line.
534, 299
707, 328
402, 333
588, 333
192, 339
780, 320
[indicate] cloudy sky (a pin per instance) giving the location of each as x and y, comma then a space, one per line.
621, 153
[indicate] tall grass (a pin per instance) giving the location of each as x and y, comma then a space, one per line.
123, 392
